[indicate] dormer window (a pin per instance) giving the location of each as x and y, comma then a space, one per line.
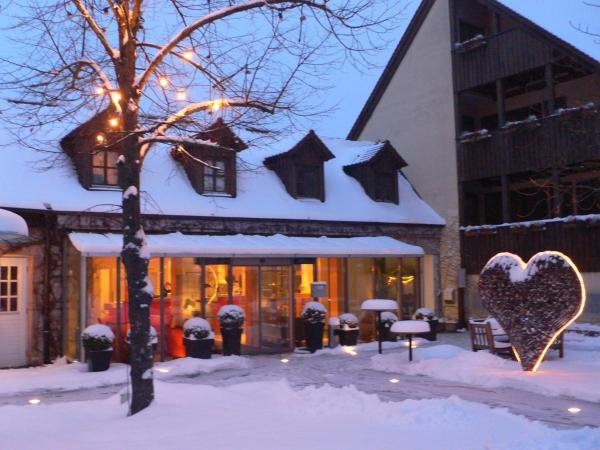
301, 169
215, 176
104, 168
376, 169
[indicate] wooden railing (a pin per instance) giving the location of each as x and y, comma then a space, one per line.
554, 141
578, 240
507, 53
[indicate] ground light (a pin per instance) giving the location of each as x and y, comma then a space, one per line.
574, 410
349, 350
34, 401
285, 360
162, 369
394, 380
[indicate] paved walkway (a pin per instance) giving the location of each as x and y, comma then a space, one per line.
343, 370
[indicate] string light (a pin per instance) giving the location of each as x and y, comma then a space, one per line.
163, 81
99, 138
162, 369
99, 90
116, 97
216, 105
188, 54
113, 122
181, 95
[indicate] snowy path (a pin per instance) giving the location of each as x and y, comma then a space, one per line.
341, 369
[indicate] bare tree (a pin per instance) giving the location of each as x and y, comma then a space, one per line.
162, 70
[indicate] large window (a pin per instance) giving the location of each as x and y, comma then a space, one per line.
214, 176
104, 168
386, 188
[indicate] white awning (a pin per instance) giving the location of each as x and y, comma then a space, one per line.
12, 226
247, 246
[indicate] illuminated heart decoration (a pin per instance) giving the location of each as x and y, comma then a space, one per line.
533, 302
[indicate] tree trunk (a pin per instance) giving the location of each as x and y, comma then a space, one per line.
135, 259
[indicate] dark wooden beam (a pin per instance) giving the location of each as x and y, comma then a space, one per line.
500, 102
550, 94
505, 198
556, 195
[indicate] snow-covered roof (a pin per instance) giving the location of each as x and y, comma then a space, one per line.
167, 190
367, 153
12, 226
564, 19
240, 245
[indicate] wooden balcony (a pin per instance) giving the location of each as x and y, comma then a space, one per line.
554, 141
579, 240
507, 53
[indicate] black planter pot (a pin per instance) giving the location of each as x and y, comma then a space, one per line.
387, 335
99, 360
232, 341
314, 336
432, 335
198, 348
348, 337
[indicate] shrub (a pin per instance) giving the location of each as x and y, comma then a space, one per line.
231, 317
197, 328
388, 318
424, 314
314, 312
348, 320
97, 338
153, 336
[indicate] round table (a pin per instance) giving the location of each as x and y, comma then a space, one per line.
379, 305
409, 328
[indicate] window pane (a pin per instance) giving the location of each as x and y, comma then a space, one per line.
385, 186
307, 178
360, 288
208, 183
386, 278
3, 288
111, 159
98, 158
410, 287
112, 177
13, 288
13, 272
3, 273
3, 305
98, 176
220, 184
13, 304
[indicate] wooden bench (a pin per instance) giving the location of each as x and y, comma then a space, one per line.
482, 338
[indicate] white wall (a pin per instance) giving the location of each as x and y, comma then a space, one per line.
416, 114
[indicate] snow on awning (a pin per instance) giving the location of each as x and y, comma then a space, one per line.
12, 226
241, 245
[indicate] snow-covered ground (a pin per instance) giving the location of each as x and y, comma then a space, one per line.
273, 415
61, 376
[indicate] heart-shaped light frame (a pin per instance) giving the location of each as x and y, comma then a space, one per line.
507, 260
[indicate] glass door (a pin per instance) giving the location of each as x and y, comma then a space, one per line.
275, 308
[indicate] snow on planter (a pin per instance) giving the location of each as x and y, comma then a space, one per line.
97, 337
377, 304
313, 312
231, 316
410, 326
197, 328
533, 302
348, 321
424, 314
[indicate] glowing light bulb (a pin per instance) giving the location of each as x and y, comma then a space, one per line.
116, 97
163, 81
113, 122
181, 95
394, 380
188, 54
162, 369
100, 90
285, 360
216, 105
34, 401
574, 410
99, 138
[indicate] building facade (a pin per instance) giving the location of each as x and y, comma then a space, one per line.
496, 112
247, 226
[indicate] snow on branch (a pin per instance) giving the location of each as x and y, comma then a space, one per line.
113, 53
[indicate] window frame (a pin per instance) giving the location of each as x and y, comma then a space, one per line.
104, 167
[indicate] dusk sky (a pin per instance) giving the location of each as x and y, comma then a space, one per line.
350, 86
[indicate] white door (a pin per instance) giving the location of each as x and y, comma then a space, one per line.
13, 312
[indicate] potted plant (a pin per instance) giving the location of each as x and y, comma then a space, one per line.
348, 329
97, 341
231, 318
387, 320
198, 338
313, 314
153, 339
428, 315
